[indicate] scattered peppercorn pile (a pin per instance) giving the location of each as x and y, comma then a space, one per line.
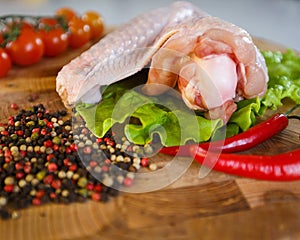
43, 159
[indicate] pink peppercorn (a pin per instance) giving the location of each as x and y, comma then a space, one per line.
145, 162
93, 163
89, 186
40, 194
14, 106
36, 130
49, 124
127, 182
44, 132
48, 179
48, 143
52, 167
96, 196
56, 184
36, 201
20, 175
27, 167
97, 188
87, 150
104, 168
73, 167
9, 188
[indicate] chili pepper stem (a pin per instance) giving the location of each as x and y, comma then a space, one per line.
291, 110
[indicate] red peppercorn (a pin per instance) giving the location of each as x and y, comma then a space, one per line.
9, 188
40, 194
20, 175
8, 159
110, 143
18, 166
87, 150
104, 168
99, 140
55, 147
49, 124
48, 143
145, 162
23, 153
127, 182
107, 161
89, 186
50, 156
36, 130
7, 153
52, 167
20, 133
96, 196
97, 188
68, 150
73, 147
36, 201
11, 122
73, 167
56, 184
84, 131
129, 149
48, 179
93, 163
14, 106
27, 167
44, 131
4, 133
52, 195
66, 162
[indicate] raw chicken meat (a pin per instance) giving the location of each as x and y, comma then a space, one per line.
212, 62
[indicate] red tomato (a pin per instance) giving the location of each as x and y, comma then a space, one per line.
66, 12
27, 49
80, 32
95, 21
5, 63
1, 38
55, 41
47, 22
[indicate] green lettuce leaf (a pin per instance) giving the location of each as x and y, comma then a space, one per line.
165, 115
284, 78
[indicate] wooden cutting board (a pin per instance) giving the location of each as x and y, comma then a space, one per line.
218, 206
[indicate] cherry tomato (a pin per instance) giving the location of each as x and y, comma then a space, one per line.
80, 32
55, 41
27, 49
5, 63
66, 12
95, 21
1, 38
47, 22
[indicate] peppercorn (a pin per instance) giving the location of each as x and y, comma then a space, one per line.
44, 157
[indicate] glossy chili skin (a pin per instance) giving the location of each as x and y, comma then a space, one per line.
240, 142
281, 167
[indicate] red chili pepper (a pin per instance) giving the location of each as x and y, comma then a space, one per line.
240, 142
281, 167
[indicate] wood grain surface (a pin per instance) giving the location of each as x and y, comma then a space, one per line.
218, 206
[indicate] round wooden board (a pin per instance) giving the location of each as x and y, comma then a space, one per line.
218, 206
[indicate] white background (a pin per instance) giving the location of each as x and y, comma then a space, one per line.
275, 20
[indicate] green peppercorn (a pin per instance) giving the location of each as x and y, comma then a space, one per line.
56, 140
34, 136
82, 181
40, 175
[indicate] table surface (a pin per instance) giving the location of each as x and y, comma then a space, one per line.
276, 20
217, 207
